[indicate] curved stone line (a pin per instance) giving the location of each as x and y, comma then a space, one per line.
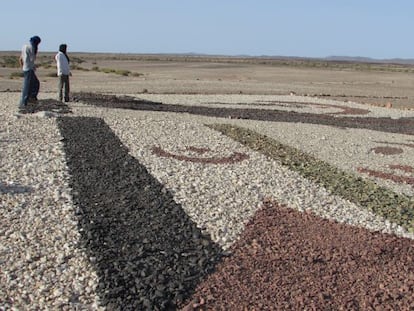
235, 157
388, 125
345, 110
387, 176
404, 168
398, 144
387, 150
197, 150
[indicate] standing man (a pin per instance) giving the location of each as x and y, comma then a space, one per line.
63, 72
31, 83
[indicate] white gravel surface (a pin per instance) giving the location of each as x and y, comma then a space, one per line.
41, 267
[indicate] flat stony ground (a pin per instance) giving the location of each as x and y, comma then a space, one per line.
193, 196
373, 87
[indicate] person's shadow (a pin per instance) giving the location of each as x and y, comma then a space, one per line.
46, 105
14, 188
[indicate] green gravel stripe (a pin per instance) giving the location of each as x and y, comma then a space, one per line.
395, 207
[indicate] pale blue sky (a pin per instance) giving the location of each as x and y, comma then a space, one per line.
308, 28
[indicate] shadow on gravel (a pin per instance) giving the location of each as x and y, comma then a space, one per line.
146, 251
48, 105
14, 188
401, 126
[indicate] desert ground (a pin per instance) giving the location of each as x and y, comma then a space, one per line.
175, 182
378, 84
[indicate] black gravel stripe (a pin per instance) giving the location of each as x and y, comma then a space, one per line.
147, 253
401, 126
382, 201
46, 105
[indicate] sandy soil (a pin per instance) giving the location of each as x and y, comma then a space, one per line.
206, 76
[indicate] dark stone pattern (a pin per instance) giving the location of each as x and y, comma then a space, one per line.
233, 158
343, 110
146, 251
401, 126
385, 150
46, 105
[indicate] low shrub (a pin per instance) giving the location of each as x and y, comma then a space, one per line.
16, 75
10, 61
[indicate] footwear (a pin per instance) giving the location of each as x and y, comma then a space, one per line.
32, 100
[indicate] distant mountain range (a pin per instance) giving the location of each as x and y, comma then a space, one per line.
334, 58
404, 61
351, 59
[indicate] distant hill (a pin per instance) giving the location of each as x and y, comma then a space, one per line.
359, 59
270, 58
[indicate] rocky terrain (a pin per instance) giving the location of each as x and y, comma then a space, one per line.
123, 200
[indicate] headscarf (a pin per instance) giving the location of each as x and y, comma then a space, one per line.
34, 41
62, 48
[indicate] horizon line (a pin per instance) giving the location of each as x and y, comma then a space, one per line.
330, 57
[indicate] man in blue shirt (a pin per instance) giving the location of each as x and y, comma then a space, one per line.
31, 83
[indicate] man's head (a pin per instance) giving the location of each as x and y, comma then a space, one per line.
35, 40
62, 48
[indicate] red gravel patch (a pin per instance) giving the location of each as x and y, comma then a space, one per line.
287, 260
388, 176
404, 168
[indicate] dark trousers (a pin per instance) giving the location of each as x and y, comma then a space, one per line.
31, 86
63, 87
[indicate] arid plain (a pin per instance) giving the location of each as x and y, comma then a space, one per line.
373, 83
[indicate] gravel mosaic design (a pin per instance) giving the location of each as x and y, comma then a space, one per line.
287, 260
389, 176
396, 208
175, 214
233, 158
147, 253
336, 109
401, 126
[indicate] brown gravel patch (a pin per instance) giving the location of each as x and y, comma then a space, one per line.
387, 150
287, 260
404, 168
388, 176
